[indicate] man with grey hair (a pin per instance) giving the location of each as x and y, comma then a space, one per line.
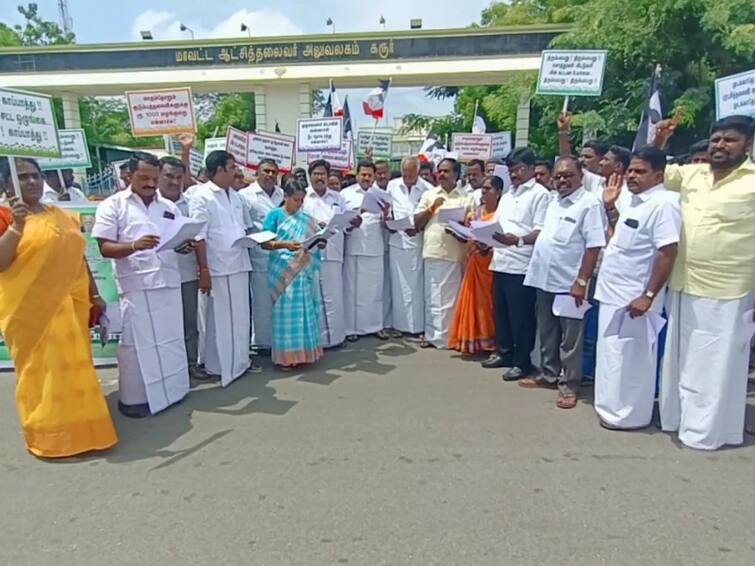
405, 251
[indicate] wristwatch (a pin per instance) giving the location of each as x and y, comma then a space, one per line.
649, 294
519, 242
581, 282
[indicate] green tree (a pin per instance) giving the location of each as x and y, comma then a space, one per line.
235, 110
38, 31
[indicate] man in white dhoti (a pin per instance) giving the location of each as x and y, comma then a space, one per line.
645, 220
405, 251
223, 271
322, 203
563, 261
260, 198
442, 253
363, 263
711, 291
152, 367
382, 179
170, 186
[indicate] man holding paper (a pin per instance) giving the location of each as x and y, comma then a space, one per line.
323, 204
443, 254
260, 198
363, 259
405, 250
382, 180
563, 260
637, 263
153, 371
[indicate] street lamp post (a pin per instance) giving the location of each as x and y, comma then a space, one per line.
186, 28
382, 21
245, 28
146, 35
330, 22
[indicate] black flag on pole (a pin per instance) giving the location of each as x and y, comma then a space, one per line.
651, 115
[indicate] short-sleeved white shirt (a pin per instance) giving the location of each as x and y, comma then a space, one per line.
123, 217
647, 222
520, 211
51, 196
225, 215
323, 208
187, 263
572, 225
405, 202
368, 239
259, 204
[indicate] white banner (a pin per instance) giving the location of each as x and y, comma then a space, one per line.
501, 145
265, 145
572, 73
74, 152
472, 146
341, 159
213, 144
156, 112
27, 125
735, 94
236, 144
319, 133
382, 143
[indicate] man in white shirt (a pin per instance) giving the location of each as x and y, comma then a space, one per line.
260, 198
363, 262
521, 212
475, 178
564, 258
153, 370
405, 251
382, 179
632, 282
223, 270
54, 191
322, 203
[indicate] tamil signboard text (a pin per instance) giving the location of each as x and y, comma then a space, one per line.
735, 94
27, 125
156, 112
74, 152
472, 146
319, 133
381, 142
265, 145
572, 73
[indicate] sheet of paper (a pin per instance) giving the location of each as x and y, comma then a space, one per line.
324, 234
175, 232
483, 232
342, 220
373, 203
460, 230
564, 305
448, 214
383, 196
254, 240
502, 171
614, 326
401, 225
646, 328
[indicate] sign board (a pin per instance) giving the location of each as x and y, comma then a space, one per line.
27, 125
315, 134
342, 159
501, 145
735, 94
213, 144
472, 146
165, 111
74, 152
236, 144
572, 73
382, 143
278, 147
196, 159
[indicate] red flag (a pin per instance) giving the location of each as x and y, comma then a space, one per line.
375, 101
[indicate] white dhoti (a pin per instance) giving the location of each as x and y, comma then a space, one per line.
262, 310
704, 378
387, 299
332, 324
227, 332
152, 365
363, 294
625, 371
442, 283
408, 289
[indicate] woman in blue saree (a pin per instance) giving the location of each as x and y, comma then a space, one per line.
292, 278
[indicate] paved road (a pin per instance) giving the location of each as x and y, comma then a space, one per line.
380, 455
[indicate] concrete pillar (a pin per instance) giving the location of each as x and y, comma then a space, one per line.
282, 103
260, 108
522, 123
71, 112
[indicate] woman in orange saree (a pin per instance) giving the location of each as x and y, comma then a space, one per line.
47, 300
473, 328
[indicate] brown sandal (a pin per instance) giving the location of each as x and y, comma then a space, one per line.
566, 401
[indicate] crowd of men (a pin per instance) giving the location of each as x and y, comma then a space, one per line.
609, 227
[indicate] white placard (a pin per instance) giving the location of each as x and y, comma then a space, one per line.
236, 144
735, 94
74, 152
213, 144
319, 133
174, 147
472, 146
341, 159
27, 125
501, 145
278, 147
572, 73
165, 111
382, 143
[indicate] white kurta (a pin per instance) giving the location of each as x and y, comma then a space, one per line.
704, 379
442, 284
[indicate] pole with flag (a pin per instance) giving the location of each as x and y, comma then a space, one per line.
374, 105
479, 125
651, 114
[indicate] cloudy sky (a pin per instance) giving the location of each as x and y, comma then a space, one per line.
111, 21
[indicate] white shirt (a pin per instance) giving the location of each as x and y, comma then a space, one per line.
187, 263
367, 240
648, 221
258, 205
572, 224
123, 217
405, 201
322, 209
593, 183
226, 219
51, 196
476, 194
520, 211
